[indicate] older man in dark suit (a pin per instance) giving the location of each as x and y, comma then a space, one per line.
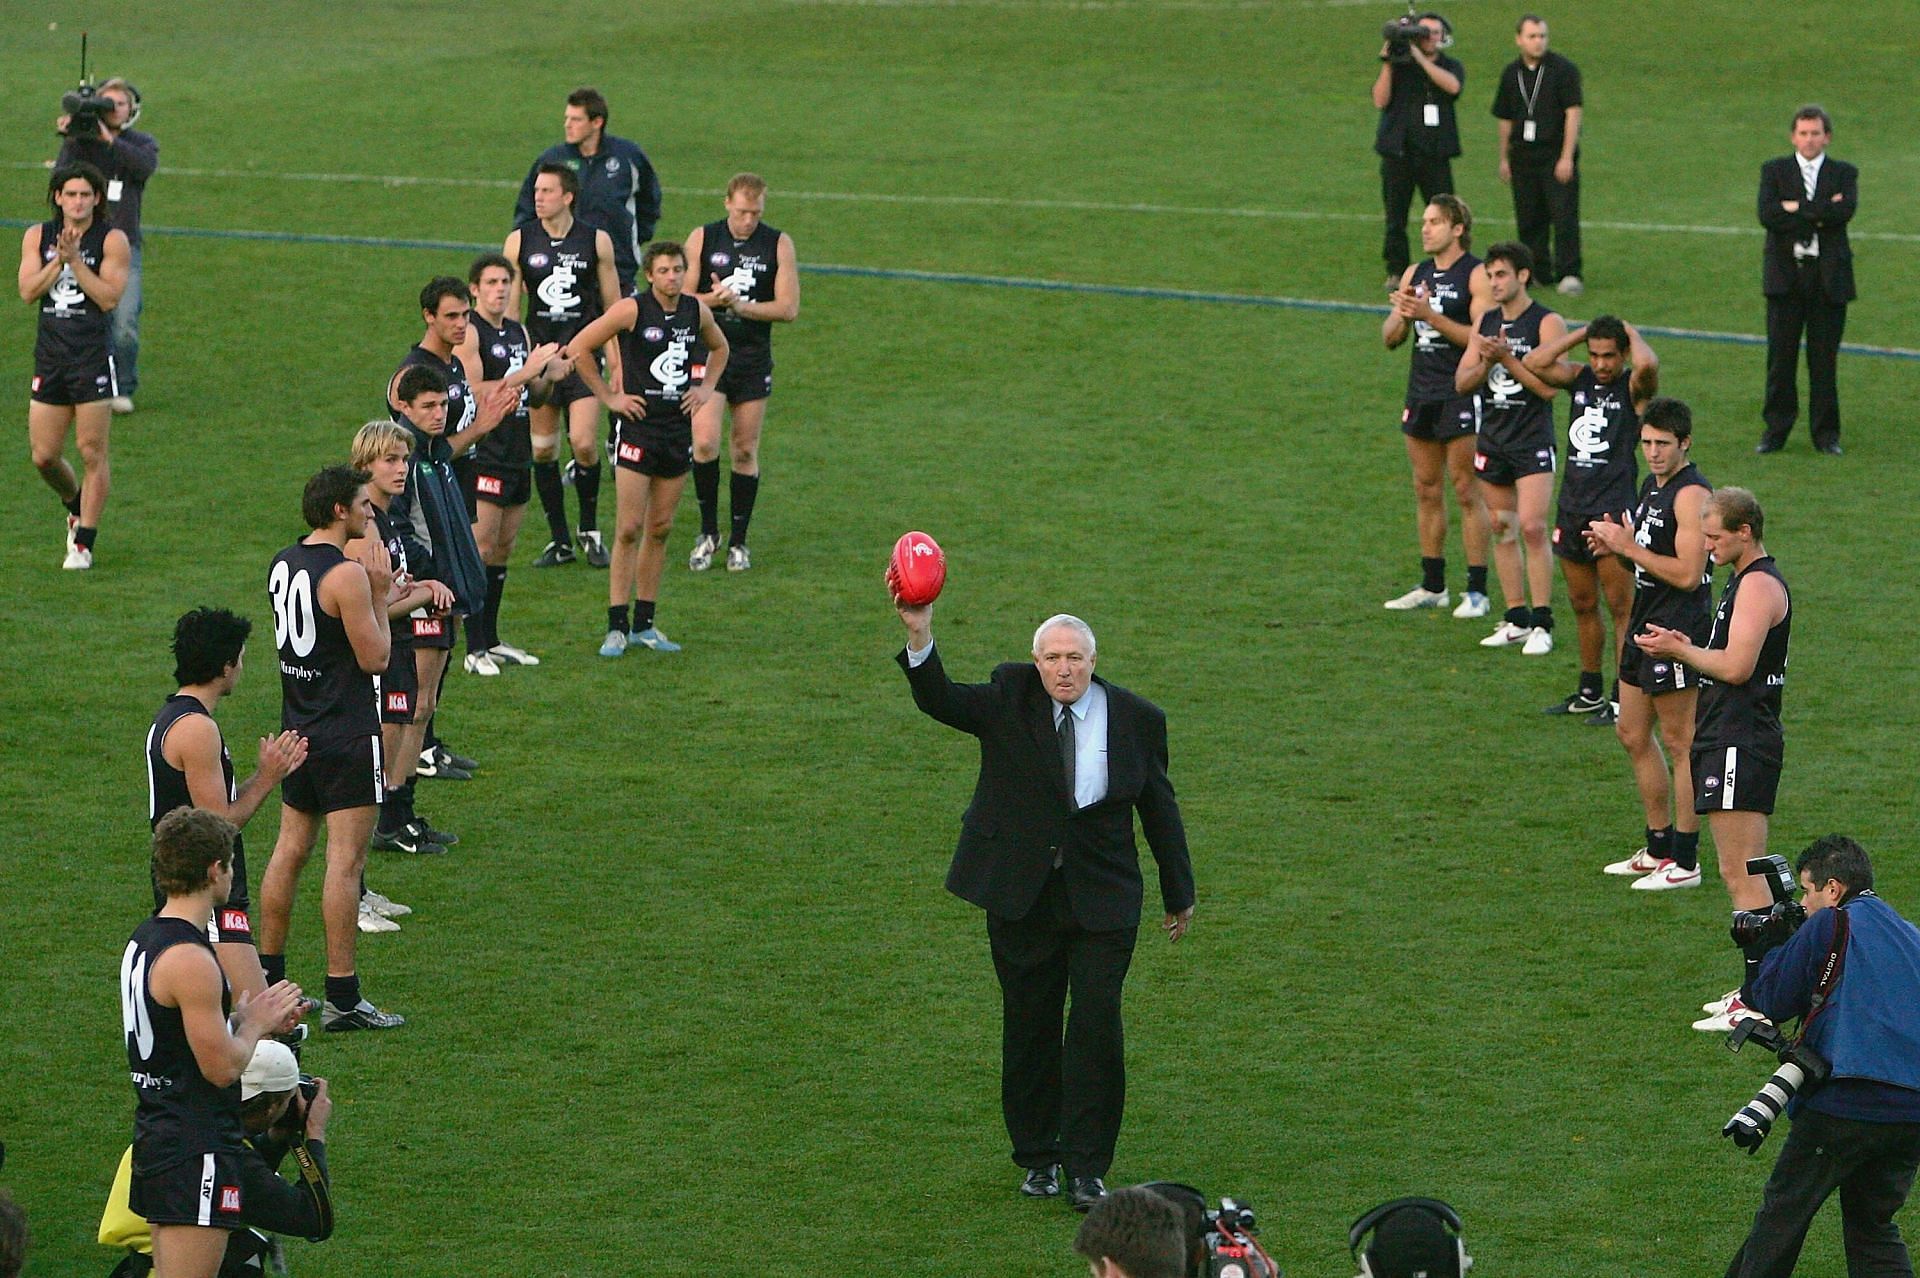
1806, 201
1047, 850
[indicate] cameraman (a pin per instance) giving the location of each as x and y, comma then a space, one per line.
1417, 138
127, 158
1853, 972
281, 1111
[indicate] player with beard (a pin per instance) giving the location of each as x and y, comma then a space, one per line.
188, 767
1515, 456
74, 266
748, 274
1608, 394
1663, 542
333, 646
565, 271
658, 329
1438, 302
499, 344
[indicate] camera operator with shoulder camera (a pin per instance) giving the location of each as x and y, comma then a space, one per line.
96, 126
1852, 973
284, 1111
1417, 138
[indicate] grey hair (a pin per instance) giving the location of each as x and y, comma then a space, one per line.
1071, 622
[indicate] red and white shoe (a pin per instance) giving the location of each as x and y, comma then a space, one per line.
1722, 1003
1641, 862
1668, 875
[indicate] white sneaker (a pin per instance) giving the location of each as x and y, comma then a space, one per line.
1571, 285
1669, 875
615, 644
1418, 597
385, 906
1506, 634
482, 663
507, 654
1723, 1022
78, 559
1722, 1003
1641, 862
1539, 643
704, 549
1472, 604
373, 921
739, 559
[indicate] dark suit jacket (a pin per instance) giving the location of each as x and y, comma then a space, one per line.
1021, 812
1780, 181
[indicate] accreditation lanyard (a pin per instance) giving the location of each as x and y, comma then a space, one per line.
1529, 129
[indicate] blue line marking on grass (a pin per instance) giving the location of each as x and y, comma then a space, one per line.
1143, 292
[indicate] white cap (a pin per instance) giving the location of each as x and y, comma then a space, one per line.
272, 1069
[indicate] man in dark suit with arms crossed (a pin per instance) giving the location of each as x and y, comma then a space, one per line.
1047, 850
1806, 201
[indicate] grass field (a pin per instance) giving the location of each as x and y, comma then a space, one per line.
689, 988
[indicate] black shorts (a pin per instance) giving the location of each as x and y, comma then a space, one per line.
207, 1189
83, 381
1436, 420
502, 485
1569, 536
1503, 465
337, 774
748, 376
432, 632
228, 924
400, 685
571, 387
1734, 779
1655, 676
661, 452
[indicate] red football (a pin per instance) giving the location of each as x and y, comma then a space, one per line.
917, 570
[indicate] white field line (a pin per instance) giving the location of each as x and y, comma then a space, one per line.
973, 201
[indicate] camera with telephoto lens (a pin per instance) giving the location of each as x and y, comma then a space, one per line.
1233, 1249
1757, 931
1801, 1069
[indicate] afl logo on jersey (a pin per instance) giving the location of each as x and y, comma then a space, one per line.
613, 164
720, 259
653, 333
537, 260
499, 351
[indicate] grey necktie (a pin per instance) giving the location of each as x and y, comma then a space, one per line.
1067, 751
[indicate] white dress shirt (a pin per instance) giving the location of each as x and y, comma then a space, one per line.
1810, 179
1089, 744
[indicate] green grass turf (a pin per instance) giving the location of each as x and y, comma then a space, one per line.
690, 987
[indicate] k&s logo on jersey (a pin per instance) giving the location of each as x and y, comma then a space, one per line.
631, 452
399, 703
230, 1199
235, 921
491, 485
428, 627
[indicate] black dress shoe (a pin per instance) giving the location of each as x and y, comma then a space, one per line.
1767, 446
1831, 450
1041, 1182
1086, 1191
